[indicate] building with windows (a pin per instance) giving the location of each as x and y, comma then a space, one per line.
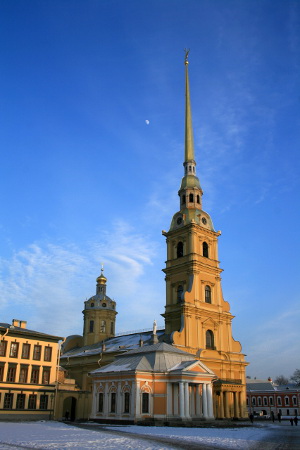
153, 383
264, 398
28, 366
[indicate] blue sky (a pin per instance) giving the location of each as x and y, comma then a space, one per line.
85, 179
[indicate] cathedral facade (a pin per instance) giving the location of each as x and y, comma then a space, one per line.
192, 370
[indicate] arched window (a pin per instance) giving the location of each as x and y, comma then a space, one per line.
190, 168
91, 326
191, 198
265, 401
205, 249
294, 400
179, 249
286, 401
247, 401
271, 401
253, 401
103, 326
207, 294
179, 293
279, 402
183, 199
259, 401
111, 328
198, 198
210, 339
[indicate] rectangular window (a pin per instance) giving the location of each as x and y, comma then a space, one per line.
46, 376
1, 372
37, 352
23, 374
113, 402
35, 375
126, 402
100, 405
48, 354
26, 351
20, 401
3, 345
32, 401
8, 401
14, 347
43, 401
11, 374
145, 403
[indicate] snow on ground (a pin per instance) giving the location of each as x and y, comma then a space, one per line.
227, 438
49, 435
57, 435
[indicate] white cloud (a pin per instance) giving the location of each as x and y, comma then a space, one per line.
46, 284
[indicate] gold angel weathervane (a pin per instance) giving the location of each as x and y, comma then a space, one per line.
187, 51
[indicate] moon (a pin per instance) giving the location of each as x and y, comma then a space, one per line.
147, 121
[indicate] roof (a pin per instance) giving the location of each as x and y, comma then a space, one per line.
259, 385
160, 357
115, 344
19, 330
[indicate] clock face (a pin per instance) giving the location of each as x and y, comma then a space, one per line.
179, 221
204, 221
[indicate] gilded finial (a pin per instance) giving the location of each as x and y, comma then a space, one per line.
187, 51
102, 268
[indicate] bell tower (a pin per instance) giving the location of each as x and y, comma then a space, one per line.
99, 315
197, 318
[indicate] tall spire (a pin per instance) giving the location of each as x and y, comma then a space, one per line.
189, 138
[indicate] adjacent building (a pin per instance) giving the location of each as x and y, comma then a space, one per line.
28, 372
265, 398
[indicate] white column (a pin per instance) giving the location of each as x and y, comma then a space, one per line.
119, 399
106, 400
175, 399
198, 401
186, 400
181, 400
210, 406
95, 400
137, 399
169, 399
132, 400
193, 408
204, 401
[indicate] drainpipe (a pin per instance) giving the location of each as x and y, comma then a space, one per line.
3, 335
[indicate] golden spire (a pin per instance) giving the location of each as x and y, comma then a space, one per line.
189, 139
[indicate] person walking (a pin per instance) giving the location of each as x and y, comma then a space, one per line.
251, 417
296, 420
279, 417
292, 421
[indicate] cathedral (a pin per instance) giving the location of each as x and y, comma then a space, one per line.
192, 370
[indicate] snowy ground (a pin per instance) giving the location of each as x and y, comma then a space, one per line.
56, 435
